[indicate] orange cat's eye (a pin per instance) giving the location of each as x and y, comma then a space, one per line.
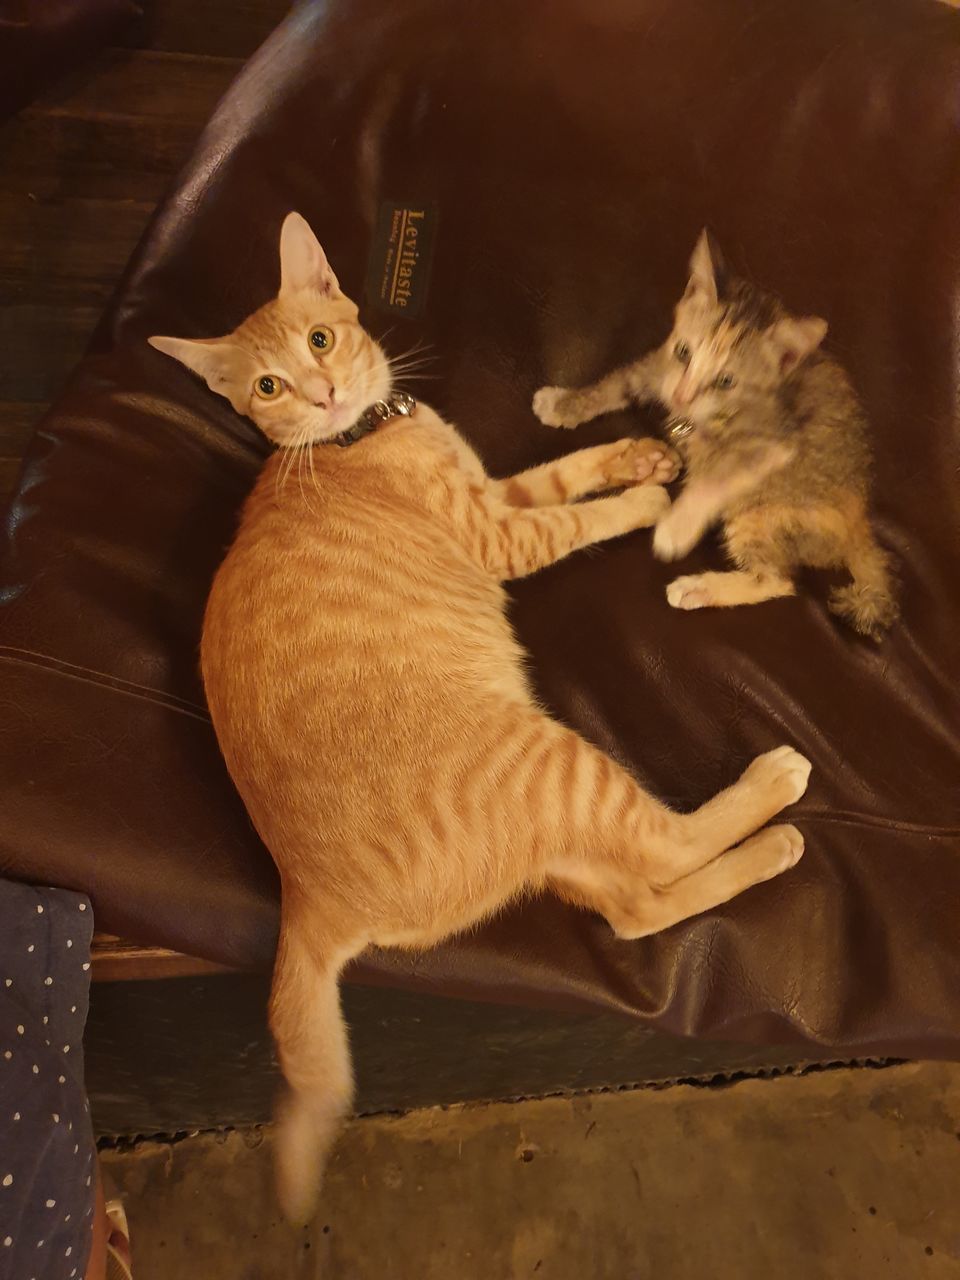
268, 387
322, 338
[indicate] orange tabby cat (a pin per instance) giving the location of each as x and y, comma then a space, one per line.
371, 701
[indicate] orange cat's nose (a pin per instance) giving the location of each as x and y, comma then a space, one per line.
319, 392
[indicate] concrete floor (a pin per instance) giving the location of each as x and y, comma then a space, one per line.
845, 1174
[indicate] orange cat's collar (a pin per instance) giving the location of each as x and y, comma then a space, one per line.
399, 406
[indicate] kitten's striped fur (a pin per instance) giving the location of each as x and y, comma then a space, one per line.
371, 702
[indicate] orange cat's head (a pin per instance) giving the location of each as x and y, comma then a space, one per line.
301, 367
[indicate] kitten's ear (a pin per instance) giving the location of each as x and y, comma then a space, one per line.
303, 264
793, 339
220, 363
706, 269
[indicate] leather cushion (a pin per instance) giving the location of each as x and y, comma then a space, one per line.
571, 151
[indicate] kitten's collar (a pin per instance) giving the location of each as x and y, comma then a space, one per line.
399, 406
679, 429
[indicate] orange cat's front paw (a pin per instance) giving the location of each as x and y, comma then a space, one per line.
647, 503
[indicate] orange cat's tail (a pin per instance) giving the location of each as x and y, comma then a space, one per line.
869, 602
314, 1054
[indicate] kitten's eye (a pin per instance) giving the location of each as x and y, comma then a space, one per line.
725, 382
268, 387
321, 338
682, 352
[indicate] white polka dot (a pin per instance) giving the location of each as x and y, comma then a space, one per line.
35, 1069
83, 906
16, 1115
39, 1244
85, 967
39, 910
7, 1241
48, 982
69, 942
45, 1019
88, 1180
67, 1218
61, 1079
51, 1204
73, 1273
30, 948
8, 982
20, 1029
66, 1048
67, 1252
7, 1054
56, 1117
73, 1008
76, 1148
8, 1180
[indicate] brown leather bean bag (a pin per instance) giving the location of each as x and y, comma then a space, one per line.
41, 40
567, 152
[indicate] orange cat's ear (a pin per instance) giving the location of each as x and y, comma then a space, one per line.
222, 365
303, 264
706, 269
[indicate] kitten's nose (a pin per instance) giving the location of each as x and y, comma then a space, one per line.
684, 393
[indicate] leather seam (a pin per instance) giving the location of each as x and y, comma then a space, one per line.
100, 679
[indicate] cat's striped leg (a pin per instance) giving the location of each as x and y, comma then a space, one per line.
513, 541
593, 819
605, 466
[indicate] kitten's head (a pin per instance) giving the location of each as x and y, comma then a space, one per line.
731, 342
301, 367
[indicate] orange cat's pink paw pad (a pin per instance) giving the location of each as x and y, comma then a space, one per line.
651, 460
689, 593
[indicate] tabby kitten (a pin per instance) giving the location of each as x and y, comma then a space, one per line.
774, 441
371, 699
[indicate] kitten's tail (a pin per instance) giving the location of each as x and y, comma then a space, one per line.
314, 1053
868, 603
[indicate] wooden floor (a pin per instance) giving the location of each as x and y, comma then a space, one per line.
81, 171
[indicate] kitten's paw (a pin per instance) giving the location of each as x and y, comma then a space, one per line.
556, 407
676, 535
647, 504
784, 770
690, 592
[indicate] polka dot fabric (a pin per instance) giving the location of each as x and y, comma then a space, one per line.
46, 1141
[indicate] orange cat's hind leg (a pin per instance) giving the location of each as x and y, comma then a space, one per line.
635, 908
